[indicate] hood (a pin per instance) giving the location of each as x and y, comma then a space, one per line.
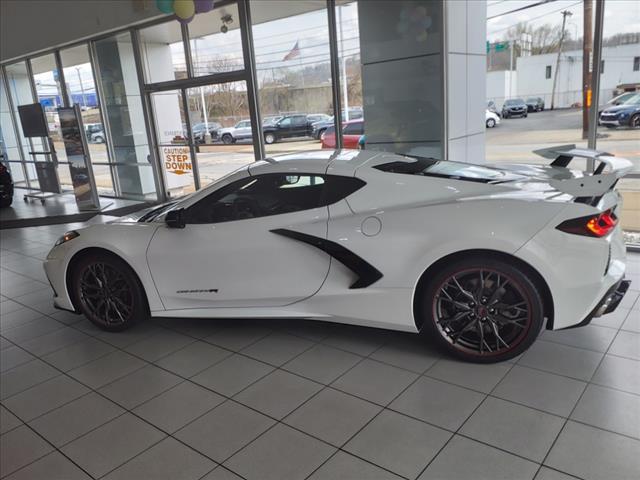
519, 105
622, 108
145, 214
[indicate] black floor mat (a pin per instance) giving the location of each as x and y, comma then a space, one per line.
50, 220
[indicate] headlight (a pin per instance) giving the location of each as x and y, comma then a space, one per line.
66, 237
622, 115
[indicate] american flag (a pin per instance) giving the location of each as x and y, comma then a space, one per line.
295, 52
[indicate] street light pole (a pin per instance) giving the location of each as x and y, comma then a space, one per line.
84, 100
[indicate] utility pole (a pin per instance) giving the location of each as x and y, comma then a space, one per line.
565, 14
587, 51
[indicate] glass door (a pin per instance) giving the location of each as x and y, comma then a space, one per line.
172, 138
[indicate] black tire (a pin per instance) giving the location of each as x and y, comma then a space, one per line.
526, 115
98, 139
491, 123
505, 115
463, 319
634, 122
270, 138
227, 139
108, 292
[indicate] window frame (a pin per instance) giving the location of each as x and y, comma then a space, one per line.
548, 72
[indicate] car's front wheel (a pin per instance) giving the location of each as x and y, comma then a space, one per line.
227, 139
269, 138
108, 292
481, 309
491, 123
634, 122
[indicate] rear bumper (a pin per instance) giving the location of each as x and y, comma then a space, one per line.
607, 304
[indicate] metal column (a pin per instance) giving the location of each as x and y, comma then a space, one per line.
335, 72
595, 79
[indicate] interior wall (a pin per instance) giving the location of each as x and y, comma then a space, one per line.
62, 21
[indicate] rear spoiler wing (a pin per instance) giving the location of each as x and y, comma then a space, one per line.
588, 185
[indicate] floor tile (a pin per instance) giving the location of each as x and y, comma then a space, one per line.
546, 473
278, 394
374, 381
221, 473
632, 323
78, 354
53, 341
18, 317
106, 369
410, 352
74, 419
280, 453
343, 466
124, 339
610, 410
237, 336
463, 458
232, 374
322, 363
139, 386
167, 460
159, 345
193, 358
178, 406
32, 329
620, 373
45, 397
545, 391
562, 359
626, 344
20, 447
25, 376
54, 466
358, 340
8, 421
105, 448
332, 416
480, 377
277, 348
612, 320
438, 403
224, 430
517, 429
398, 443
12, 357
594, 454
590, 337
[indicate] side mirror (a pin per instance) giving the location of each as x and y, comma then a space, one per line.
175, 219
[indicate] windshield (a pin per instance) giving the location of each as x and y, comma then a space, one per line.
532, 100
635, 100
517, 101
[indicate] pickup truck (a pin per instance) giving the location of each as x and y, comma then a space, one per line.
287, 127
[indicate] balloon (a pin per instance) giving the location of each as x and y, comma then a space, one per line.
203, 6
165, 6
184, 9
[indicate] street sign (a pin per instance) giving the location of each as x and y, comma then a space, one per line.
501, 46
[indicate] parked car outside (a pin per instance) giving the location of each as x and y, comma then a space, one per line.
240, 131
199, 130
351, 133
624, 115
95, 132
97, 137
514, 107
288, 126
491, 106
491, 119
318, 128
6, 186
535, 104
271, 119
318, 117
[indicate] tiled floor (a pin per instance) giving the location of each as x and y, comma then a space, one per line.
180, 399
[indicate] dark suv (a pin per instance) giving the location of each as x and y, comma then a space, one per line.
514, 107
6, 186
287, 127
535, 104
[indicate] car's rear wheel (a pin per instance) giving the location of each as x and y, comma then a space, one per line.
482, 310
108, 292
491, 123
227, 139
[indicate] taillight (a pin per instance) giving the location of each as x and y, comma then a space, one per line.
591, 226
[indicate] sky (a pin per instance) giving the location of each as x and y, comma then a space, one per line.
621, 16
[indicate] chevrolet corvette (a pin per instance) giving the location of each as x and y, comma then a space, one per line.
476, 258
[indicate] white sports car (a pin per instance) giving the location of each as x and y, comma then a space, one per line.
477, 258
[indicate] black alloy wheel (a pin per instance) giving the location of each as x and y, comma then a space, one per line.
483, 311
635, 121
108, 292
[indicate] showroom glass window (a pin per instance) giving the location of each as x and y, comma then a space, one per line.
121, 104
9, 149
163, 55
293, 68
21, 94
81, 90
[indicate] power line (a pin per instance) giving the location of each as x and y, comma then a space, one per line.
526, 7
538, 17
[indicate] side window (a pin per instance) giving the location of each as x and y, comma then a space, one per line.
285, 122
299, 120
261, 196
547, 71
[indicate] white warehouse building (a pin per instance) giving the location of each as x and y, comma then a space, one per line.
534, 76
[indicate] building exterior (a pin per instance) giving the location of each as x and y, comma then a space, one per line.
158, 96
533, 76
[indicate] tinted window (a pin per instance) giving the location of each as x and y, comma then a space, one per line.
354, 129
299, 120
271, 194
285, 122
